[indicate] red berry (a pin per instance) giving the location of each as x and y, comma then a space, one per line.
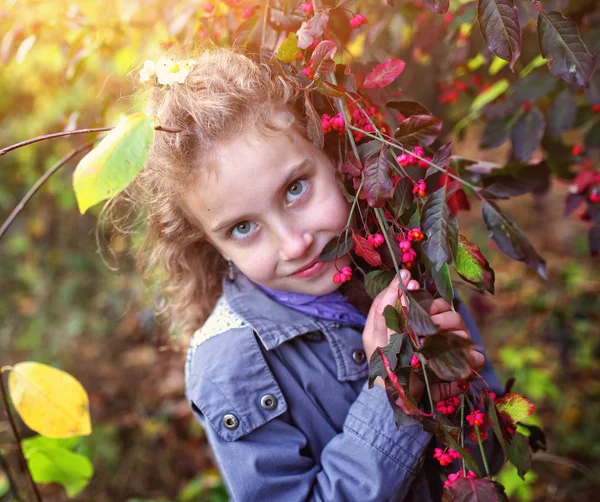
577, 150
596, 108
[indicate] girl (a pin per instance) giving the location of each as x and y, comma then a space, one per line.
241, 206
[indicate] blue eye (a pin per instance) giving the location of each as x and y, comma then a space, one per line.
243, 229
296, 190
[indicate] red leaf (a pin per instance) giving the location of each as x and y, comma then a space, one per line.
473, 490
378, 179
321, 61
418, 130
364, 249
384, 74
352, 166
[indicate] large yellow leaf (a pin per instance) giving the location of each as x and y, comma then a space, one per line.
115, 162
50, 401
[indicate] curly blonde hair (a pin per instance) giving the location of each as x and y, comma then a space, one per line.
225, 94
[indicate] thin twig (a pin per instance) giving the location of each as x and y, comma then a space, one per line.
17, 436
68, 133
39, 183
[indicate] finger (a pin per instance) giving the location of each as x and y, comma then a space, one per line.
449, 321
477, 360
413, 285
438, 306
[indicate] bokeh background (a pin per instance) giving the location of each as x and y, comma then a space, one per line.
70, 296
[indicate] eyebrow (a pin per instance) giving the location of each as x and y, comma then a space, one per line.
293, 173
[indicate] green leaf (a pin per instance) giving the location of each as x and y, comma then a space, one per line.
472, 266
377, 281
288, 51
392, 319
114, 162
499, 23
490, 94
519, 454
561, 44
517, 407
510, 238
55, 464
442, 280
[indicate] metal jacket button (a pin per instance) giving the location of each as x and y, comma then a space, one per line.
359, 356
230, 421
268, 402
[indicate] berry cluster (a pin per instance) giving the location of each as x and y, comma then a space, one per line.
446, 457
476, 418
376, 240
454, 477
450, 91
420, 188
357, 21
344, 275
307, 8
415, 362
408, 253
358, 119
448, 406
406, 159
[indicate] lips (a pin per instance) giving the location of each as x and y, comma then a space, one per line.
305, 267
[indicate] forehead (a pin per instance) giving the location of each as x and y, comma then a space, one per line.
244, 174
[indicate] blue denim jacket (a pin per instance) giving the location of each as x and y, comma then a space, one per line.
288, 413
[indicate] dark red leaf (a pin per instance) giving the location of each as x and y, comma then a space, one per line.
408, 108
336, 248
402, 198
499, 23
526, 179
390, 351
510, 238
594, 240
321, 61
419, 319
418, 130
448, 355
561, 44
434, 223
384, 73
496, 132
352, 166
527, 134
364, 249
473, 490
328, 89
378, 179
562, 113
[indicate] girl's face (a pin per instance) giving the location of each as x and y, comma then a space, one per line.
270, 205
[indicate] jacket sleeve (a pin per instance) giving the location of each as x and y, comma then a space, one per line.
370, 459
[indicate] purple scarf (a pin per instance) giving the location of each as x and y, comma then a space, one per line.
333, 306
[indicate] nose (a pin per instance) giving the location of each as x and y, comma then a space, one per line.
294, 244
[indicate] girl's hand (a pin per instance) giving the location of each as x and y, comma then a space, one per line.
376, 333
448, 320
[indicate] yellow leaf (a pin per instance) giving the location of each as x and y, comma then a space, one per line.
114, 162
50, 401
356, 48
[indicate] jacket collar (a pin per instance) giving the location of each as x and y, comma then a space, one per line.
273, 323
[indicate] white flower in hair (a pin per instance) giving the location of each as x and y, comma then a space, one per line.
170, 72
147, 71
